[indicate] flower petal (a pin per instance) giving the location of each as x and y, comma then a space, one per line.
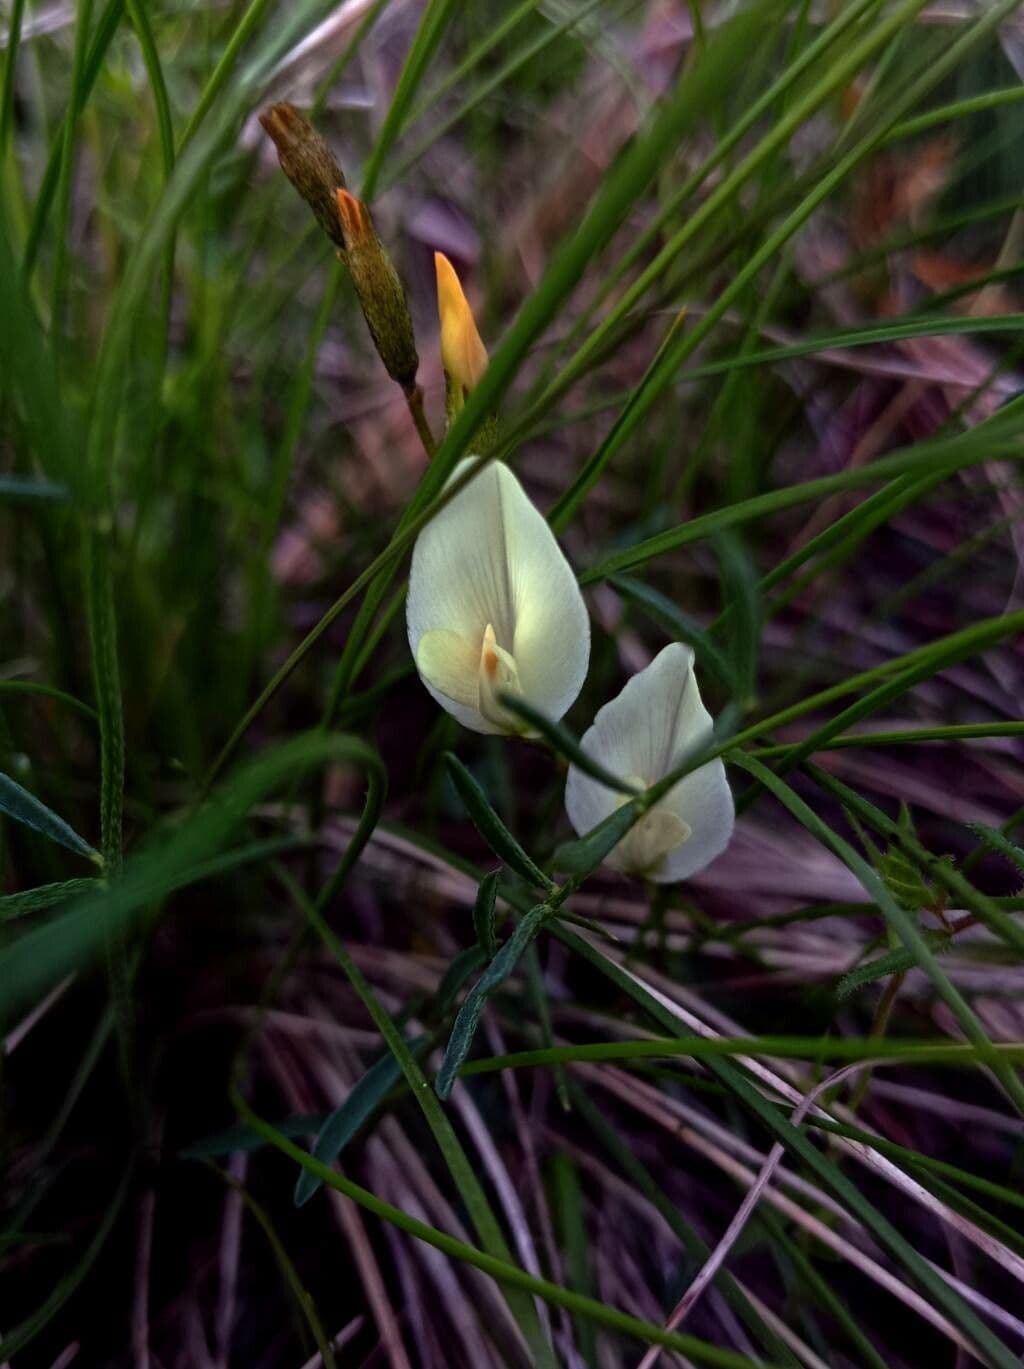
645, 732
463, 354
489, 559
448, 664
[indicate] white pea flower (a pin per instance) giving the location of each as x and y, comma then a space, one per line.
641, 735
494, 606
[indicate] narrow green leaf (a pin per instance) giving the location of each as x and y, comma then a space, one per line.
896, 962
742, 601
954, 454
586, 854
29, 377
483, 913
41, 957
44, 896
31, 687
301, 1296
470, 1189
240, 1137
436, 18
563, 743
106, 27
473, 1005
363, 1099
466, 963
576, 1243
902, 922
992, 1349
490, 826
24, 807
679, 625
26, 489
502, 1270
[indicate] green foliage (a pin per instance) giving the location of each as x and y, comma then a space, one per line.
751, 298
17, 803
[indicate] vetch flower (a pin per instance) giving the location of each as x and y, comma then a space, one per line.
644, 733
494, 606
463, 354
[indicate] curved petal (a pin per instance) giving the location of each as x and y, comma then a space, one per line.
644, 732
446, 662
490, 561
703, 801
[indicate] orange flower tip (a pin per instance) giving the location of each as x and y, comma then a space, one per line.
354, 215
462, 351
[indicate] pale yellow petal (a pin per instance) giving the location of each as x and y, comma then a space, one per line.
450, 665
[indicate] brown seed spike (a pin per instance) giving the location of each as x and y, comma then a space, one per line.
308, 163
380, 291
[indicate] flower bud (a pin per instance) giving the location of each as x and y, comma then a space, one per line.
463, 354
380, 291
308, 163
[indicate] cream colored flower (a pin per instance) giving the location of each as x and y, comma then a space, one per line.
494, 606
644, 733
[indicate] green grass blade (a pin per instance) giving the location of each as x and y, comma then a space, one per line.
623, 1323
484, 913
902, 923
490, 826
17, 803
933, 1285
436, 18
564, 744
468, 1018
361, 1103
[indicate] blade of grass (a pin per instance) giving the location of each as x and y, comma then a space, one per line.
563, 743
952, 454
503, 1272
300, 1294
950, 733
17, 803
436, 17
76, 102
993, 1351
29, 687
902, 923
469, 1186
42, 957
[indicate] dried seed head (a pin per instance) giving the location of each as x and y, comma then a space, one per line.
380, 291
308, 163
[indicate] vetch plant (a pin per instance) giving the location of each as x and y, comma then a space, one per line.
774, 435
643, 734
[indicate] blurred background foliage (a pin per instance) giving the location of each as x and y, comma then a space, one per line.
200, 453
